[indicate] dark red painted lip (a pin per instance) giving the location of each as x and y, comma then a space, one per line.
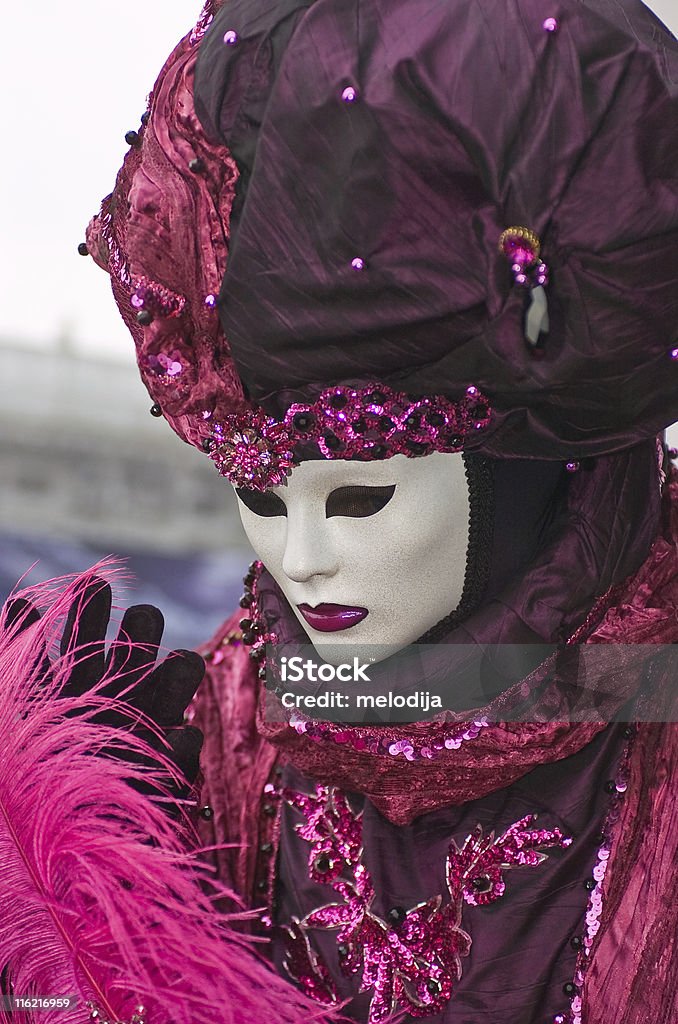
330, 618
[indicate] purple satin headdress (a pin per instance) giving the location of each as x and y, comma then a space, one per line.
355, 231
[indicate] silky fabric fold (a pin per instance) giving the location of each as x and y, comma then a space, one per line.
631, 973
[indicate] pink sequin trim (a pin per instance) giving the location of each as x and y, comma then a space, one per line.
204, 22
594, 908
117, 264
376, 422
379, 741
373, 422
412, 961
156, 299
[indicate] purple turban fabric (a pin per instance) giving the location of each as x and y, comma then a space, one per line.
408, 136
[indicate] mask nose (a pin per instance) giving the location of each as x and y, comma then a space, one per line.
309, 550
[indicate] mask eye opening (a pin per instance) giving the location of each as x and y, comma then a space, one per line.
358, 502
262, 503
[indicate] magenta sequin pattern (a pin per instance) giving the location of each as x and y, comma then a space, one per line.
251, 450
167, 368
373, 422
594, 908
413, 960
156, 299
380, 741
376, 422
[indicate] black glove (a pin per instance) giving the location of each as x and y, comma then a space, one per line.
162, 693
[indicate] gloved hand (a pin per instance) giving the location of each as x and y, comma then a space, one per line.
162, 692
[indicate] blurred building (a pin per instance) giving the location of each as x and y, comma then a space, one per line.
80, 456
86, 471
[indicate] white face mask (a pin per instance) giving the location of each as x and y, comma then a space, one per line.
366, 553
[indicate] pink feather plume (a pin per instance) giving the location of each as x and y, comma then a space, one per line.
99, 898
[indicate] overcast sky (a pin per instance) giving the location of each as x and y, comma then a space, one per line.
74, 79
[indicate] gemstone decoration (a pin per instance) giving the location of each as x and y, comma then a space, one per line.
374, 422
251, 450
522, 249
412, 960
520, 246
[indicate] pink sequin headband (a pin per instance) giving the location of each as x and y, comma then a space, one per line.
256, 451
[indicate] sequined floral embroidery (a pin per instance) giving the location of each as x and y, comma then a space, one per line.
413, 959
251, 450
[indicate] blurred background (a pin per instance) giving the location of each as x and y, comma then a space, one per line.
84, 470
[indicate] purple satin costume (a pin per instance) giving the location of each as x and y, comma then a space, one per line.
339, 174
520, 956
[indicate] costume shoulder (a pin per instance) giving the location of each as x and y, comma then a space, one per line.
236, 762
